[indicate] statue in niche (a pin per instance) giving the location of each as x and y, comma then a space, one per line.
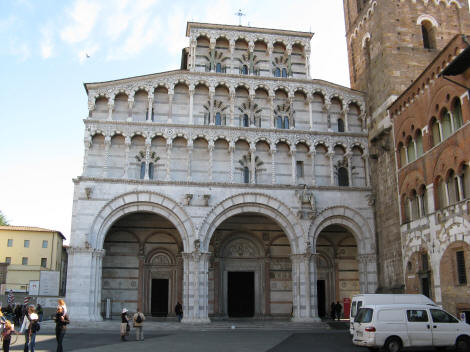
308, 209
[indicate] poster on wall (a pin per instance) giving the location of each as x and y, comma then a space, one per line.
49, 283
33, 287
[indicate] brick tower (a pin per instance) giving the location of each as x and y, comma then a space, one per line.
390, 43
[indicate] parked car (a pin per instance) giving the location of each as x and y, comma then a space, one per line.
361, 300
395, 326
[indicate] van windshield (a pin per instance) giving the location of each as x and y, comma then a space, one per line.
364, 315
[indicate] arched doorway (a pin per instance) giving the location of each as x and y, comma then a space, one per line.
337, 268
142, 266
250, 272
418, 274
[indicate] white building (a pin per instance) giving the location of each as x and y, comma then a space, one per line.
236, 185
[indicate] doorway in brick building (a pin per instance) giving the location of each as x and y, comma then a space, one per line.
159, 297
241, 294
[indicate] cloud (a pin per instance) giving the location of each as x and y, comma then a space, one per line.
46, 44
83, 18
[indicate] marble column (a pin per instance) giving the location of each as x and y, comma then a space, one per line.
211, 106
232, 106
310, 115
330, 156
150, 108
191, 104
365, 157
127, 142
190, 156
294, 165
148, 143
211, 161
110, 110
271, 110
169, 148
130, 107
87, 143
232, 50
252, 164
348, 156
313, 154
170, 106
346, 120
231, 150
107, 145
272, 151
270, 59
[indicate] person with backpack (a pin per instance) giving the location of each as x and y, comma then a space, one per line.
30, 327
139, 318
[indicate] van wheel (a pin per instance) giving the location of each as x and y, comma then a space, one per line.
463, 344
393, 344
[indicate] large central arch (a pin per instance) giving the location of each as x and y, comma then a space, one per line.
141, 202
252, 203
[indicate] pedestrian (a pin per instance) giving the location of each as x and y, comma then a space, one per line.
332, 310
61, 303
125, 328
39, 311
139, 318
18, 312
6, 335
338, 309
61, 322
29, 328
179, 311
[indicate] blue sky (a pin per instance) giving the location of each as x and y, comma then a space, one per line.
44, 64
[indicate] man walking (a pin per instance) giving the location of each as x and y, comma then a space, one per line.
338, 309
139, 318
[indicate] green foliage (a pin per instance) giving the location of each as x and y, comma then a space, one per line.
3, 220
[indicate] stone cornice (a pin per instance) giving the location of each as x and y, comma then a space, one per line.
258, 187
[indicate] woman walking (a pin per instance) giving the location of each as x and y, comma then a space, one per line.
6, 335
124, 324
61, 321
29, 320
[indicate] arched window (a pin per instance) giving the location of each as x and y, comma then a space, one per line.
277, 72
244, 70
436, 133
286, 122
340, 125
414, 206
284, 72
279, 122
343, 177
446, 124
246, 174
419, 144
218, 67
423, 201
453, 188
142, 170
218, 119
407, 209
465, 181
410, 151
402, 151
151, 170
429, 36
246, 122
441, 194
457, 114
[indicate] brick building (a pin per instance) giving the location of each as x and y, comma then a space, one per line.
390, 43
431, 129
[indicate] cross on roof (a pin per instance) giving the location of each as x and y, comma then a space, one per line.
240, 14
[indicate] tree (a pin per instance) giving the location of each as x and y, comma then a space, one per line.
3, 220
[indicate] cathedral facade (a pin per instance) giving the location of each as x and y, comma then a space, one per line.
237, 185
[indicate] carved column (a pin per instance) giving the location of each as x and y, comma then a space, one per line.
130, 106
252, 164
271, 109
289, 60
232, 50
307, 60
150, 108
348, 158
110, 109
251, 99
91, 106
251, 49
107, 145
332, 173
273, 150
267, 286
232, 106
212, 55
170, 106
270, 58
231, 149
168, 153
148, 142
190, 156
291, 113
294, 168
87, 143
127, 142
296, 292
211, 105
365, 157
310, 115
193, 46
313, 154
191, 104
140, 284
326, 111
211, 150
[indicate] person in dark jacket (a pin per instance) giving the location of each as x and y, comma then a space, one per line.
61, 321
338, 309
125, 328
179, 311
332, 310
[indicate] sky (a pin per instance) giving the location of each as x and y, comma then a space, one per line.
44, 63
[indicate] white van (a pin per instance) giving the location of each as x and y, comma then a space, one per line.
361, 300
395, 326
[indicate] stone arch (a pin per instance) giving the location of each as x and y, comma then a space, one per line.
350, 219
160, 251
429, 18
254, 203
236, 236
140, 202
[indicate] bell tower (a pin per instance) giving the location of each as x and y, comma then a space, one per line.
390, 43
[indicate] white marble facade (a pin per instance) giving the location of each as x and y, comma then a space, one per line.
240, 129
